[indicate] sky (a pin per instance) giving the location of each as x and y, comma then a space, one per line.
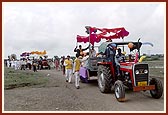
53, 26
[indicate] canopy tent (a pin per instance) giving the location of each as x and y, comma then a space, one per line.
103, 46
93, 37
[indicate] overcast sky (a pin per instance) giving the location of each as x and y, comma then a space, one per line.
54, 26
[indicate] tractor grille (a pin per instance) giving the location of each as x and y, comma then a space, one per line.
141, 73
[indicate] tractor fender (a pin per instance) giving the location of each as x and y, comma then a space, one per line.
109, 64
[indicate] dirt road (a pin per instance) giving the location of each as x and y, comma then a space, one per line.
59, 95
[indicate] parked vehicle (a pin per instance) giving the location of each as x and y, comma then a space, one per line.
45, 64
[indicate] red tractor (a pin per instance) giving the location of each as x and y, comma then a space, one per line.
45, 64
134, 75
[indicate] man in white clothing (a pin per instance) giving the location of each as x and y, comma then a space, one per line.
68, 63
76, 68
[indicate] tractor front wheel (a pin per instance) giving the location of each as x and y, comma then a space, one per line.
158, 91
119, 91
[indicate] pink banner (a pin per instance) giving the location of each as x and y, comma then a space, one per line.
118, 33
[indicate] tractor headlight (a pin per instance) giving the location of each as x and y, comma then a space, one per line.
145, 71
137, 72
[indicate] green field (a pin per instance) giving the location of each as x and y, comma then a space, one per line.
156, 68
20, 78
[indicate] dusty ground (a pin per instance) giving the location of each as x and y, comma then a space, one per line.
59, 95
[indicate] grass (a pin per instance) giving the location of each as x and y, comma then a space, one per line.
152, 58
156, 68
21, 78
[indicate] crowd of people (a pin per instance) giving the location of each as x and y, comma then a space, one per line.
21, 64
25, 64
73, 67
68, 66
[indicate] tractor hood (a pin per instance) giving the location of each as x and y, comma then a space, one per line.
126, 65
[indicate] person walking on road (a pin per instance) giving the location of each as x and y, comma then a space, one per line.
76, 69
56, 63
62, 64
23, 64
68, 69
34, 63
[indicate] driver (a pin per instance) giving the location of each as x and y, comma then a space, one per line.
111, 56
111, 51
119, 58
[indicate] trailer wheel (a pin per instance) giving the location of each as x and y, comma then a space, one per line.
119, 91
158, 91
104, 79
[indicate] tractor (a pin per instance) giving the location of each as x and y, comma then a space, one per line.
44, 63
133, 73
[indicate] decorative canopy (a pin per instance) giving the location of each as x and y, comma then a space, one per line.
103, 46
104, 34
33, 52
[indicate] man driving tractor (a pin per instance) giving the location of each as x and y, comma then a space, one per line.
110, 54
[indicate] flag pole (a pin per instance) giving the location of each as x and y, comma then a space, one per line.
88, 30
89, 42
123, 45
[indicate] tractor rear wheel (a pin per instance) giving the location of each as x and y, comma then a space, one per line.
158, 91
104, 79
119, 91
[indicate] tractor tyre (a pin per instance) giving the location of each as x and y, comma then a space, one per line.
119, 90
158, 91
104, 79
